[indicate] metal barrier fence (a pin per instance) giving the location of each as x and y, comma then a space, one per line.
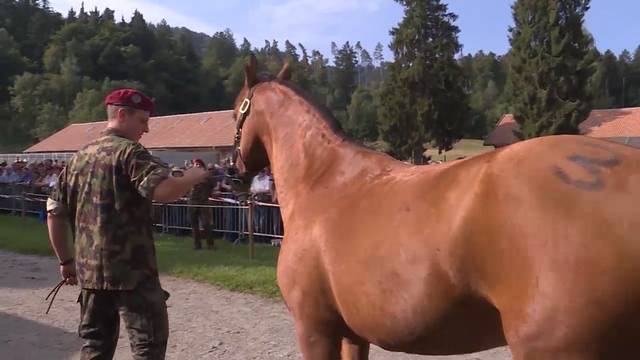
30, 157
227, 216
19, 199
237, 221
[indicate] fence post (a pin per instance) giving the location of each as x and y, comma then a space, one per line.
24, 205
165, 218
250, 228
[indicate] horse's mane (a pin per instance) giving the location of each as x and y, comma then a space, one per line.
325, 113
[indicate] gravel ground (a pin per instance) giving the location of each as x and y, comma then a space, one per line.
206, 322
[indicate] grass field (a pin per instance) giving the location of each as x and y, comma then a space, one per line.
464, 147
228, 267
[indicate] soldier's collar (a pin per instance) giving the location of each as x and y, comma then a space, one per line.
112, 132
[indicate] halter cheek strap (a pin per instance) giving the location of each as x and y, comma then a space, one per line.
243, 112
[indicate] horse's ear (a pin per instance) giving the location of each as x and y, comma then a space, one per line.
285, 73
250, 70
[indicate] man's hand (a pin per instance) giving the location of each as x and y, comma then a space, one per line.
68, 273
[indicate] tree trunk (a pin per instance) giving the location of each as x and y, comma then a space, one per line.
417, 157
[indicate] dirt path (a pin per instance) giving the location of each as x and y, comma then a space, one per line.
206, 322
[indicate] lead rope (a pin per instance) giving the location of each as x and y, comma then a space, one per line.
54, 292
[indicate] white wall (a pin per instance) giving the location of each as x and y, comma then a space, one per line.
178, 158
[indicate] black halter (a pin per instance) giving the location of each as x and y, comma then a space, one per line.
243, 112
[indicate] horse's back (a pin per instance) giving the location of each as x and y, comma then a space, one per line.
559, 249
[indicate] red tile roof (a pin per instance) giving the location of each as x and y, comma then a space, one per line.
612, 123
198, 130
609, 123
504, 132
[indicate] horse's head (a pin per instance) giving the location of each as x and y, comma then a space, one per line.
250, 154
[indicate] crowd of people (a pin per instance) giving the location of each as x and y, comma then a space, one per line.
41, 176
217, 190
37, 176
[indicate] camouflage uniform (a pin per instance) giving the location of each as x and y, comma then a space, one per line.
200, 215
107, 189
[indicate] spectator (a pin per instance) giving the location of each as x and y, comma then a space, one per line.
4, 175
262, 191
201, 217
229, 215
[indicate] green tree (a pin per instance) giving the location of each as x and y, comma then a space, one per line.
274, 58
362, 116
245, 48
485, 78
31, 24
29, 93
49, 119
607, 82
634, 79
232, 85
344, 81
626, 73
378, 57
552, 60
319, 77
422, 101
300, 69
173, 74
12, 63
222, 49
138, 34
366, 65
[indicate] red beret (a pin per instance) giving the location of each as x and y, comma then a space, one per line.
199, 161
131, 98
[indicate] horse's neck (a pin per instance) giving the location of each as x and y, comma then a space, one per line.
306, 154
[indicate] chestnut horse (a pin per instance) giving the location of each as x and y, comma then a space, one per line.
536, 245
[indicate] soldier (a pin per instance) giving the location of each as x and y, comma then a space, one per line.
202, 216
106, 194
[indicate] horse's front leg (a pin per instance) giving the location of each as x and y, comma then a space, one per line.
354, 350
318, 341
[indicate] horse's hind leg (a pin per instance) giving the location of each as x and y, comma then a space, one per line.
318, 343
352, 350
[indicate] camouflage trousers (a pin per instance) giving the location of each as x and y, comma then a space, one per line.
201, 217
144, 312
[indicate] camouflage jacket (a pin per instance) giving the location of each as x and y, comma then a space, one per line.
107, 188
201, 192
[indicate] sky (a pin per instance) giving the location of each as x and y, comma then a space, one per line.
316, 23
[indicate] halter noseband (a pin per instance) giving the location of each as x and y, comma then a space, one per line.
244, 112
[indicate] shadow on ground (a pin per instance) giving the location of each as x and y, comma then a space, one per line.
22, 339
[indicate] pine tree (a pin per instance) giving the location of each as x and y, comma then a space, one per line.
362, 116
551, 62
485, 78
245, 48
624, 64
607, 82
344, 81
634, 79
319, 77
422, 99
378, 56
12, 63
